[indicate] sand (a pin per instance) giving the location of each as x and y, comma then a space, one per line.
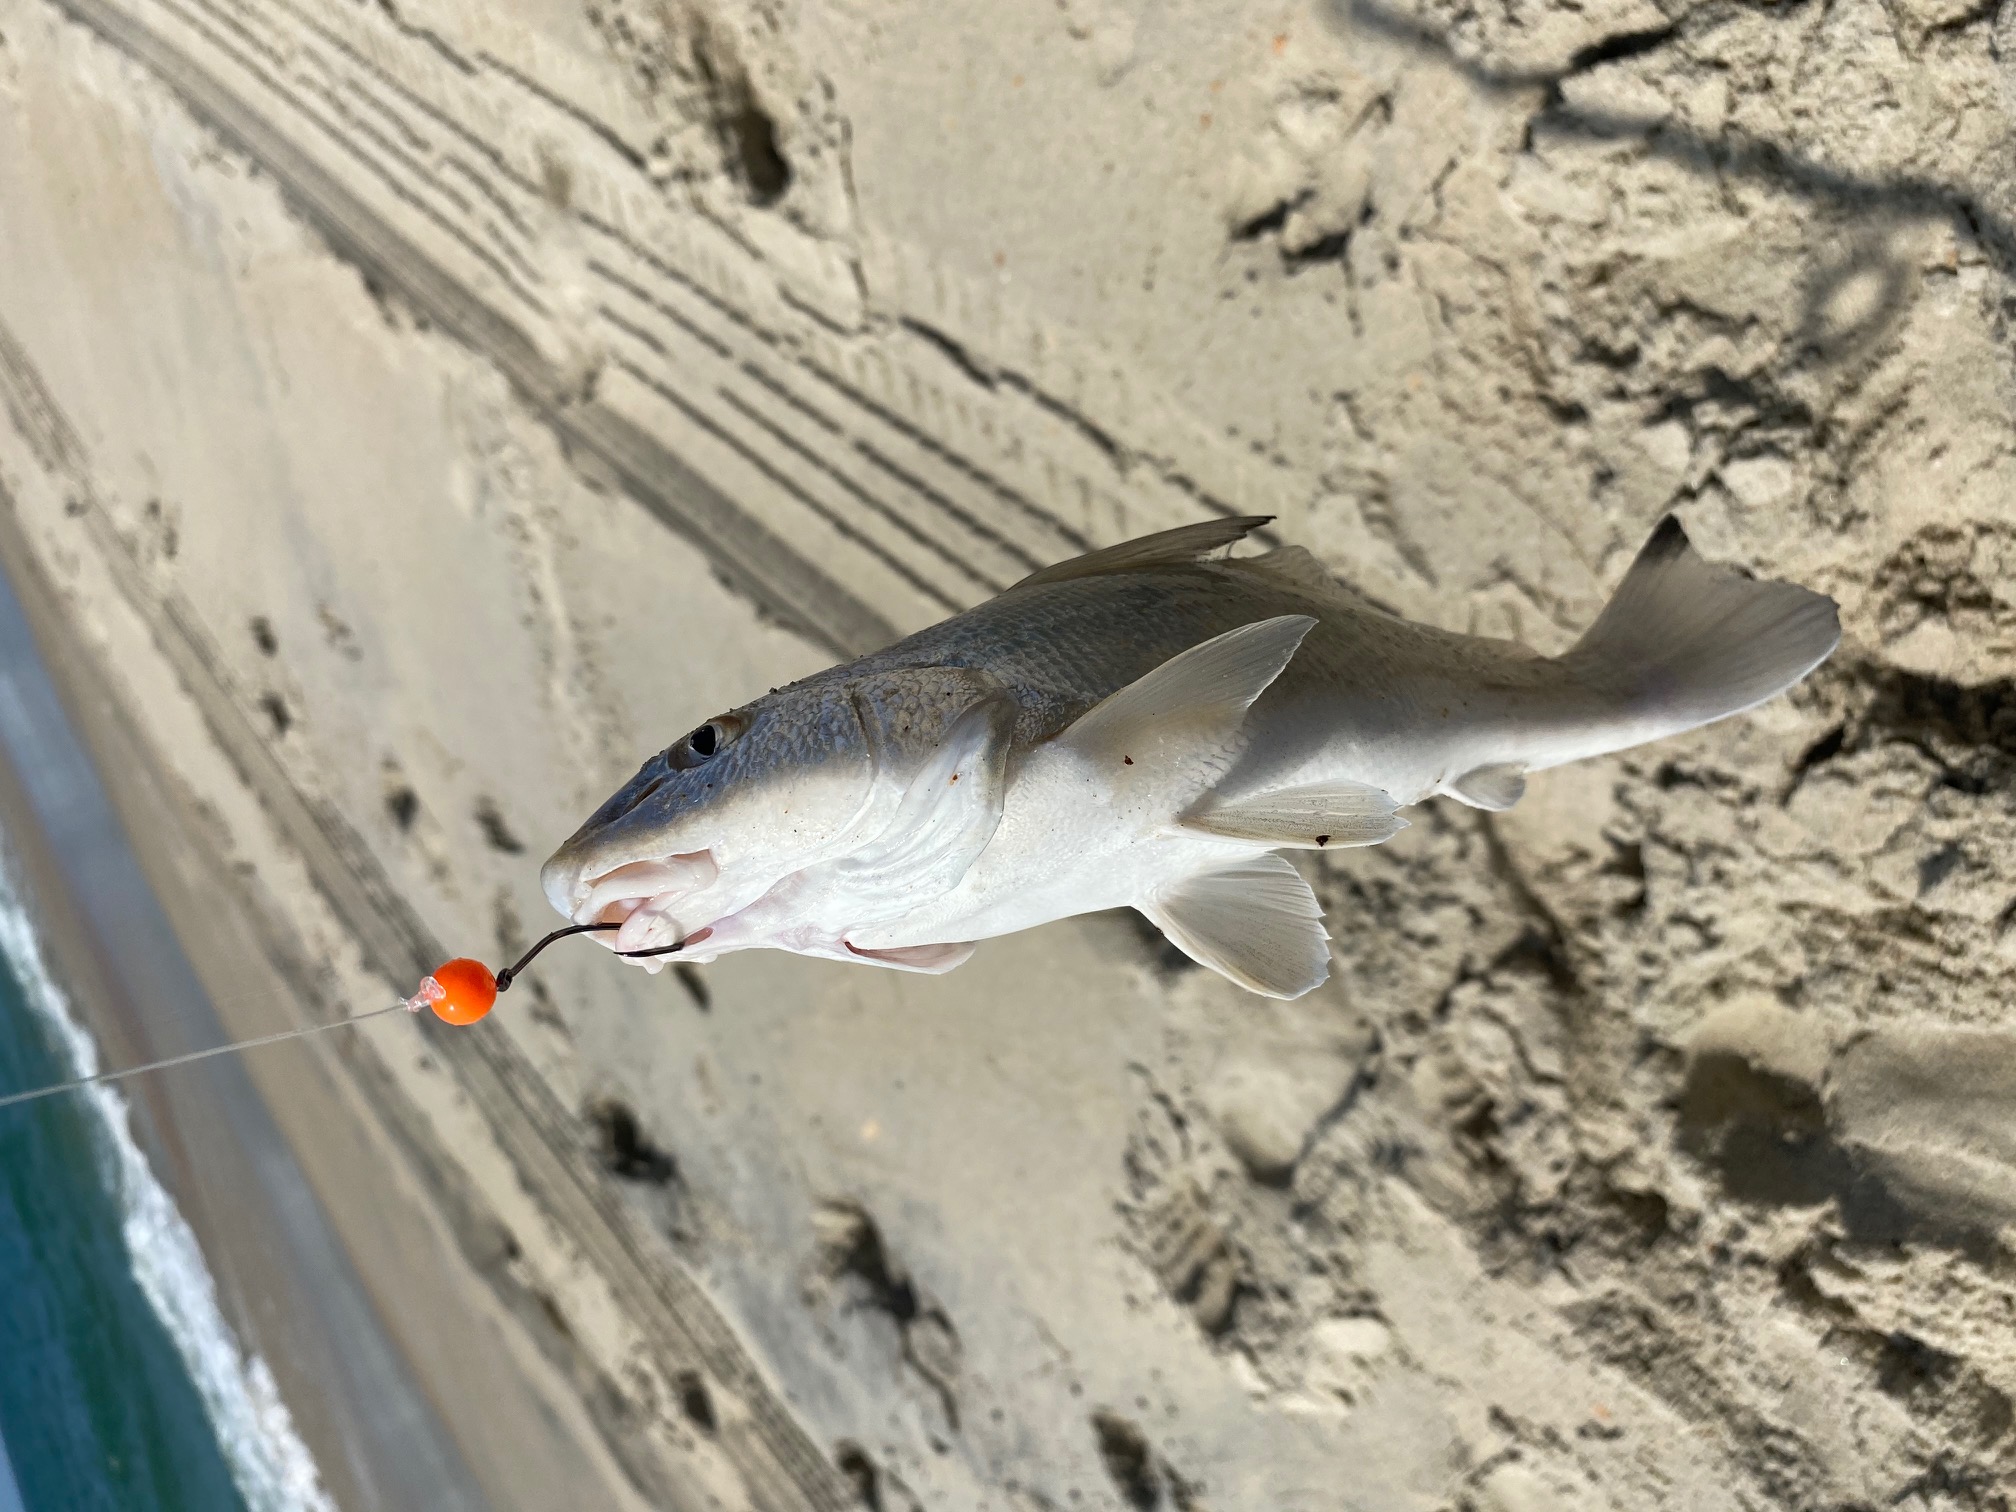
422, 412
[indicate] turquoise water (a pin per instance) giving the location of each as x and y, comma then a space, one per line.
122, 1384
97, 1409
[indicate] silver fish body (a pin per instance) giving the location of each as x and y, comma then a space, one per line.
1144, 726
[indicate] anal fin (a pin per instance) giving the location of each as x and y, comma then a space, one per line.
1496, 787
1317, 816
1255, 922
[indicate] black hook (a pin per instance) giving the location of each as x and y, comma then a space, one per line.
510, 973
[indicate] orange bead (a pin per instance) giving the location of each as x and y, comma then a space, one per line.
468, 991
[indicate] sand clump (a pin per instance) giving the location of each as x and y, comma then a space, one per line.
463, 400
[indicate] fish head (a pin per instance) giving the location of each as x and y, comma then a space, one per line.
718, 818
759, 828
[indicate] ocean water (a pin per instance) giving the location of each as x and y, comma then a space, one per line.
121, 1384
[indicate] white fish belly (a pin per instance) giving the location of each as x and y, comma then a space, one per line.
1011, 892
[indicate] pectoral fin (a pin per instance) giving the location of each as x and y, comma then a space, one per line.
1255, 922
1194, 702
945, 818
1495, 787
1316, 817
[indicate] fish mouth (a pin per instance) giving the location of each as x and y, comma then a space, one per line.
645, 898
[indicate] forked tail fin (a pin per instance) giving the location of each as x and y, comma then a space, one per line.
1684, 642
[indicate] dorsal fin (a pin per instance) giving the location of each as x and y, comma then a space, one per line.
1294, 564
1166, 548
1299, 568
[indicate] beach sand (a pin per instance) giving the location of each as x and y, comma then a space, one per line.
419, 414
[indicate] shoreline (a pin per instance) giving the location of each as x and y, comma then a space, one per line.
289, 1295
311, 1221
227, 1428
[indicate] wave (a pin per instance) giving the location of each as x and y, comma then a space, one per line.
272, 1467
10, 1489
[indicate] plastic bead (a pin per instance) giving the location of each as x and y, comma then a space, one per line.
468, 991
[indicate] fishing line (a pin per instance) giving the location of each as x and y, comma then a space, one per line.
195, 1055
460, 992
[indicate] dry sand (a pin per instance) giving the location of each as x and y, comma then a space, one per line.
424, 410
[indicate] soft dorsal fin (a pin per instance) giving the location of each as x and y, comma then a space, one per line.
1166, 548
1319, 816
1298, 568
1294, 564
1191, 706
1255, 921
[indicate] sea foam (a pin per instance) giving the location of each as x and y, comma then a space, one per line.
272, 1467
10, 1489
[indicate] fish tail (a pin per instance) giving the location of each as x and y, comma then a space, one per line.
1684, 642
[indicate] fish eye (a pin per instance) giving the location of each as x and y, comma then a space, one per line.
704, 744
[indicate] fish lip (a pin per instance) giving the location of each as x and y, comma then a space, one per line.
646, 923
684, 914
613, 893
612, 940
662, 929
644, 899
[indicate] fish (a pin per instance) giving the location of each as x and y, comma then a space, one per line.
1147, 726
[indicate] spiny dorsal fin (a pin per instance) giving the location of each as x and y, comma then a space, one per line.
1320, 816
1255, 921
1191, 706
1166, 548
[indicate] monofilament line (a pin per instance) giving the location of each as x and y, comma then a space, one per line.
196, 1055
